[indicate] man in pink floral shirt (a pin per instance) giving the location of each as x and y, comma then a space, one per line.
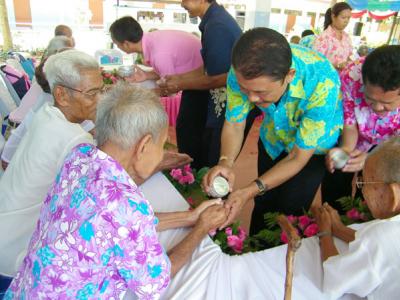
371, 100
96, 235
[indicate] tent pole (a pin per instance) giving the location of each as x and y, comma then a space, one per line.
392, 28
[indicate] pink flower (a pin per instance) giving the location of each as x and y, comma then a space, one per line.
176, 173
114, 80
187, 169
212, 232
190, 200
235, 243
311, 230
106, 75
304, 221
189, 178
292, 219
353, 214
228, 231
242, 234
284, 238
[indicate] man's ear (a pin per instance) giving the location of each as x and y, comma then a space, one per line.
142, 147
394, 197
61, 96
290, 75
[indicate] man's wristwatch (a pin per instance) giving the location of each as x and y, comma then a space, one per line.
262, 188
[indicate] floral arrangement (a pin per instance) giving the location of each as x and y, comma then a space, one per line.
109, 77
233, 240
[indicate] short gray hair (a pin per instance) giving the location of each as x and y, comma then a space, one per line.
64, 68
388, 155
127, 113
57, 43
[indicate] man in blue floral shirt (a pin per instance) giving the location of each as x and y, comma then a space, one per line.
298, 91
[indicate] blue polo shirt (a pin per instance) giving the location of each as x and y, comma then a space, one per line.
219, 34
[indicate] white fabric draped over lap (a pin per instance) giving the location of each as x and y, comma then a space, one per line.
211, 274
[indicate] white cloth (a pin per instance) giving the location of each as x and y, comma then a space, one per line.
371, 265
211, 274
28, 177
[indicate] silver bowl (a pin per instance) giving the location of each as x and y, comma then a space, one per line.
125, 71
219, 187
339, 158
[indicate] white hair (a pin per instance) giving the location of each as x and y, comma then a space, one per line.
127, 113
64, 68
388, 156
57, 43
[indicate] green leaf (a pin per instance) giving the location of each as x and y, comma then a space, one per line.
270, 220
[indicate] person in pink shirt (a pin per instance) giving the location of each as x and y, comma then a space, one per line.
334, 42
371, 103
169, 52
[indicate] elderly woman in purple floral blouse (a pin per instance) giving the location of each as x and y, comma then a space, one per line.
96, 236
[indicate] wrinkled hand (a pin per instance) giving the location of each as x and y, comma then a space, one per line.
356, 161
234, 205
218, 170
173, 160
203, 206
335, 218
212, 218
323, 219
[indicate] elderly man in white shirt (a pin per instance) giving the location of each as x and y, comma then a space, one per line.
371, 265
76, 83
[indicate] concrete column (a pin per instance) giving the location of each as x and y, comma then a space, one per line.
257, 13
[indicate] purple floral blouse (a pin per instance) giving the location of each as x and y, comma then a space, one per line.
372, 128
95, 237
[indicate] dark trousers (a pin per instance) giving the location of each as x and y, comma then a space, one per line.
191, 124
4, 284
294, 196
194, 138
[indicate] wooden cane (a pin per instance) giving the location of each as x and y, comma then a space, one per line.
294, 242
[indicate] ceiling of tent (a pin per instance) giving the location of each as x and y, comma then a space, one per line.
381, 5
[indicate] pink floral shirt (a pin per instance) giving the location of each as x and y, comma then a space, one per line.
337, 51
372, 128
95, 238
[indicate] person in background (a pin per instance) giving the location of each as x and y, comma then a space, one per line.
64, 30
371, 262
295, 39
334, 42
371, 102
96, 236
298, 91
307, 38
219, 32
160, 51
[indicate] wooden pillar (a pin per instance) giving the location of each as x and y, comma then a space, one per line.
5, 27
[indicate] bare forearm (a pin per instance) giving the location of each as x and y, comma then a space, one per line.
285, 169
231, 141
151, 75
328, 247
174, 220
203, 82
344, 233
182, 252
350, 137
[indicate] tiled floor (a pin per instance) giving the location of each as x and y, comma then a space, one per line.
245, 167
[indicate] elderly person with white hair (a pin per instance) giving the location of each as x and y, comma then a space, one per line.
96, 237
76, 82
38, 94
370, 266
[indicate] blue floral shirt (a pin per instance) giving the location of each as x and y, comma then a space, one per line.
95, 237
308, 115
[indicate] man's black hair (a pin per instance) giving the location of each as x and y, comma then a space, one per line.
382, 68
126, 29
262, 52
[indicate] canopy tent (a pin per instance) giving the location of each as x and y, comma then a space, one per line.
371, 5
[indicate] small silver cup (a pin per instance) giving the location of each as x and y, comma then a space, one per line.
339, 158
219, 187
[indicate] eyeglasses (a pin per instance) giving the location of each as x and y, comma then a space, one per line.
91, 94
360, 184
